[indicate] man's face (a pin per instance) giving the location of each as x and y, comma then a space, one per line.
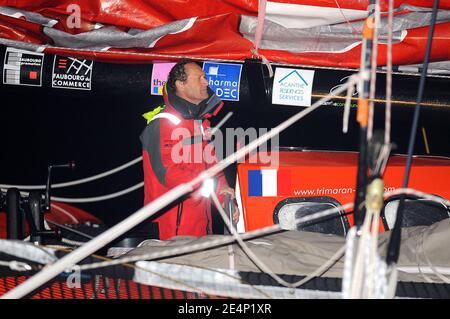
195, 88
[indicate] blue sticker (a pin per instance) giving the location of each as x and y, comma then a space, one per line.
224, 79
255, 187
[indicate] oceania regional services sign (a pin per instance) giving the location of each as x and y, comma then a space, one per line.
292, 86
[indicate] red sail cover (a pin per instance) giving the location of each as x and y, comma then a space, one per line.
308, 32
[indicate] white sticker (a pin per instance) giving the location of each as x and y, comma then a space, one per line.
292, 87
72, 73
23, 67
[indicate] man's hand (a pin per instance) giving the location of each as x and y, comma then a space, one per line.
231, 192
235, 213
228, 190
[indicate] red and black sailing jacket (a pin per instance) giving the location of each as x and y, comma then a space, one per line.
175, 151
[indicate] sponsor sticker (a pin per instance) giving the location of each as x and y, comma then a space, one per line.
224, 79
22, 67
292, 87
72, 73
159, 77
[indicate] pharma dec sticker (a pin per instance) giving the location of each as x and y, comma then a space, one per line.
22, 67
224, 79
292, 87
72, 73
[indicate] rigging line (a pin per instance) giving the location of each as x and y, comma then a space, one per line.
133, 266
65, 212
381, 71
217, 242
373, 70
79, 181
233, 60
425, 140
386, 147
354, 31
441, 276
70, 229
222, 122
419, 249
394, 243
258, 262
93, 199
232, 277
255, 233
252, 256
54, 50
262, 292
384, 101
260, 24
104, 174
112, 195
323, 268
16, 265
183, 283
99, 198
175, 280
387, 125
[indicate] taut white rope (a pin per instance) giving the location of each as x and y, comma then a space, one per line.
79, 181
373, 71
260, 264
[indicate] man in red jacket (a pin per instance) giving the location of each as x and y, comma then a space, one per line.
176, 149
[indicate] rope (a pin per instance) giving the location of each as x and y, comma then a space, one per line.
99, 198
258, 36
260, 23
93, 199
348, 263
16, 265
394, 243
373, 70
433, 269
65, 212
98, 176
72, 242
347, 106
171, 57
214, 242
260, 264
387, 125
354, 31
79, 181
70, 229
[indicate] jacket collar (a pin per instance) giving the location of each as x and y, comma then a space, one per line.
207, 108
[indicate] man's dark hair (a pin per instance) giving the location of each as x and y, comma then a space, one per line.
178, 72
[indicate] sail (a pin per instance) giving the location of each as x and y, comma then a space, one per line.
308, 32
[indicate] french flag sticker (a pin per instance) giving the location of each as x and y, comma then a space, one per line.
269, 182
